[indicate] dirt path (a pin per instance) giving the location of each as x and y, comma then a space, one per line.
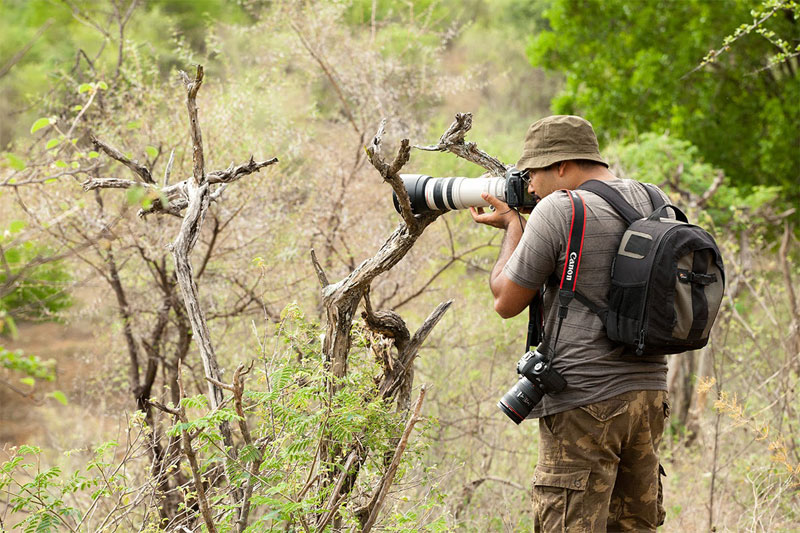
26, 420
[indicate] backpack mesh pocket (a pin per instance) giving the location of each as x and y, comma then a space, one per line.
625, 304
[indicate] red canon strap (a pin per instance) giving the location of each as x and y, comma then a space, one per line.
577, 232
572, 261
569, 277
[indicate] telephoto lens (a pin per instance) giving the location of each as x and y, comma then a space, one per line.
429, 194
537, 379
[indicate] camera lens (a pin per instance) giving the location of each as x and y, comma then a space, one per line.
429, 194
415, 186
518, 402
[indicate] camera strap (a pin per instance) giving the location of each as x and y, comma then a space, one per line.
535, 322
569, 277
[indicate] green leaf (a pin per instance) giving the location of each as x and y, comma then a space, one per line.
134, 124
15, 162
52, 143
77, 107
51, 180
28, 381
59, 396
135, 195
152, 151
28, 450
13, 256
102, 86
93, 154
60, 164
84, 87
39, 124
16, 226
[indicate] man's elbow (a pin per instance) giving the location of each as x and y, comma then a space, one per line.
505, 309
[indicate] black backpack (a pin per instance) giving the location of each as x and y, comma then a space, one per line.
667, 279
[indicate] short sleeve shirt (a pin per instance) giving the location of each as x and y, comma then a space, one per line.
594, 368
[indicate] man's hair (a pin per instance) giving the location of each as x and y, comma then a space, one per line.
587, 163
582, 163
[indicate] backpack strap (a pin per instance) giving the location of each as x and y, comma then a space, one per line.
655, 198
614, 198
602, 312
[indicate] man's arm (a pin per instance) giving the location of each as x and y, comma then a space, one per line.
510, 299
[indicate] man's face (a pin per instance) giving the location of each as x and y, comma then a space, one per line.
543, 181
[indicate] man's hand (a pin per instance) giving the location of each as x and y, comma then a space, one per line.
502, 216
509, 298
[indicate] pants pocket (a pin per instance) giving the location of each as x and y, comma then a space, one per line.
606, 410
558, 493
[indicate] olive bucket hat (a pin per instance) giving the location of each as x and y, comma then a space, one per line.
559, 138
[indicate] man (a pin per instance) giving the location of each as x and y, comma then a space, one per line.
598, 466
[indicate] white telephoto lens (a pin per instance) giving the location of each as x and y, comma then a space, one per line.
443, 194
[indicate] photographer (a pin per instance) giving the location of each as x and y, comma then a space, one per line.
598, 467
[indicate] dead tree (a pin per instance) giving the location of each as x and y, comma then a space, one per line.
189, 199
341, 300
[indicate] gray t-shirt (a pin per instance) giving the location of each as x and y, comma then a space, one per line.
595, 368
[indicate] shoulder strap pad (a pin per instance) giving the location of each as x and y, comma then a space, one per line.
655, 198
614, 198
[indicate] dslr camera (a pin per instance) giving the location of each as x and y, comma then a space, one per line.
537, 378
428, 194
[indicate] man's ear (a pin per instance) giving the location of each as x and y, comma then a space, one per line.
562, 168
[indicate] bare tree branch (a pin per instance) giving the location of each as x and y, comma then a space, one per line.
452, 140
180, 414
25, 49
177, 194
718, 181
139, 170
323, 278
334, 499
329, 73
168, 170
401, 377
389, 172
194, 195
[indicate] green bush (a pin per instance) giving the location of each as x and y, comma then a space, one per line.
32, 285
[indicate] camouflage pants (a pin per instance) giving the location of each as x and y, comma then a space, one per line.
598, 466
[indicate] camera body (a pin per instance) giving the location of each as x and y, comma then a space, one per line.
428, 194
517, 194
537, 378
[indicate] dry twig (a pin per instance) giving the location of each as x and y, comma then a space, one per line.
386, 481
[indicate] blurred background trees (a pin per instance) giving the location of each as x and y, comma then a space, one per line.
699, 97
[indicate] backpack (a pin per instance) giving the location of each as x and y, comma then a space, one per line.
667, 279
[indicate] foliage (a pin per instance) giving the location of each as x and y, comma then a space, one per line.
291, 414
629, 70
84, 36
267, 93
766, 10
84, 499
29, 290
678, 167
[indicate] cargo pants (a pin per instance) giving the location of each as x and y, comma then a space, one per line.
598, 466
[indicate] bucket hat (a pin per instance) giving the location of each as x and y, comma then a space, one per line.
559, 138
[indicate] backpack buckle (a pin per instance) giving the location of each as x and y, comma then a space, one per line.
564, 298
687, 276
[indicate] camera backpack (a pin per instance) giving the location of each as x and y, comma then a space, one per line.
667, 279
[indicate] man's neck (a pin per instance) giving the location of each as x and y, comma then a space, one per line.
597, 173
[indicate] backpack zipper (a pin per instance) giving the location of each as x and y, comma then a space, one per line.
643, 329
